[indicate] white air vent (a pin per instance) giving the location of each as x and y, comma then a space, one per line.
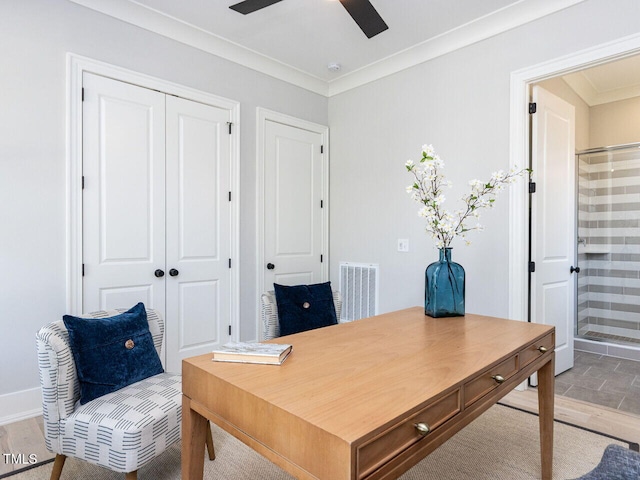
359, 289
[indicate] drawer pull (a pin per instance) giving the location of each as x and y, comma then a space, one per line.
542, 349
422, 428
498, 378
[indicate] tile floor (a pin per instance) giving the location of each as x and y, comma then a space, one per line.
602, 380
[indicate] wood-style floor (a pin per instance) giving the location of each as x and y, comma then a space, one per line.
18, 441
617, 423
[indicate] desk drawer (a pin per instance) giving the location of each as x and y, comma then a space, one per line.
398, 438
532, 352
483, 384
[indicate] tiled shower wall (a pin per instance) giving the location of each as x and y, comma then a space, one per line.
609, 243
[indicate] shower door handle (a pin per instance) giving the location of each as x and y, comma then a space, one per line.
574, 269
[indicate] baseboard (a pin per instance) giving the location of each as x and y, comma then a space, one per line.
20, 405
628, 352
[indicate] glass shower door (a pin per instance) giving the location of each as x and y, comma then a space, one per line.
609, 244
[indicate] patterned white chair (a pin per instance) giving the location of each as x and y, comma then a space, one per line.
269, 313
122, 430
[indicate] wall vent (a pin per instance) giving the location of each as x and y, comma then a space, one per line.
359, 289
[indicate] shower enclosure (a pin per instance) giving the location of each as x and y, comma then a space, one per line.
608, 313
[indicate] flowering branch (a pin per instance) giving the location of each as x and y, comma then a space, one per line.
427, 190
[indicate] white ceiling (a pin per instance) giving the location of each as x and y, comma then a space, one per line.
295, 40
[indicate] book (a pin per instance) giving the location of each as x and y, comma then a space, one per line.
246, 352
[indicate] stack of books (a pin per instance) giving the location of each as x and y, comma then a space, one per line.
245, 352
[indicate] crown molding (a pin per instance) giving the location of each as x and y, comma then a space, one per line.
495, 23
512, 16
154, 21
580, 84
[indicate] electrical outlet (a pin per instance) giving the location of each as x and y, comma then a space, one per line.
403, 244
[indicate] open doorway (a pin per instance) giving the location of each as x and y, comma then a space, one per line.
607, 233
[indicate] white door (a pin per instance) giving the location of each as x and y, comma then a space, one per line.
198, 237
156, 211
123, 196
293, 206
553, 236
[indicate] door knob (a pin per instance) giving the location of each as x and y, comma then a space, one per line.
159, 273
173, 272
574, 269
270, 266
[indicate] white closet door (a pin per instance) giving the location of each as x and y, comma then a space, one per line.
293, 222
123, 196
198, 232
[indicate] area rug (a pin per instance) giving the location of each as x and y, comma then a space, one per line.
502, 444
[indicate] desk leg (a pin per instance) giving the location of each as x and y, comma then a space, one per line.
546, 382
194, 434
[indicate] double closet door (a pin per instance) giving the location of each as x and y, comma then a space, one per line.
156, 211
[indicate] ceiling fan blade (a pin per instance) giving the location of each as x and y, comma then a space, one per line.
250, 6
366, 16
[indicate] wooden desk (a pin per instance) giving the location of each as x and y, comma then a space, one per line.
346, 402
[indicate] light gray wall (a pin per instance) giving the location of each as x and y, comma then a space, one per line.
460, 103
35, 36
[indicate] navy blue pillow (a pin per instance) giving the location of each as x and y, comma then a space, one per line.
304, 307
111, 353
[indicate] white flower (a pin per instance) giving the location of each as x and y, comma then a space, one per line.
428, 150
475, 184
497, 176
428, 165
424, 212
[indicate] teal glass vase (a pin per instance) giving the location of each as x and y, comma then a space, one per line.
444, 287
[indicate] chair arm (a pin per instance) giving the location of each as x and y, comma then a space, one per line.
337, 302
269, 315
58, 379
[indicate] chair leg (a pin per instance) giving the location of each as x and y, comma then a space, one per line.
58, 463
131, 475
210, 449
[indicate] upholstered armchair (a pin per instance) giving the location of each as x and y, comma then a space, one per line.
269, 313
122, 430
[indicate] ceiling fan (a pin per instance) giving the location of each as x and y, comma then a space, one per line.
364, 14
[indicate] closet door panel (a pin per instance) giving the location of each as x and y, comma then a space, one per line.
197, 297
123, 198
198, 234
